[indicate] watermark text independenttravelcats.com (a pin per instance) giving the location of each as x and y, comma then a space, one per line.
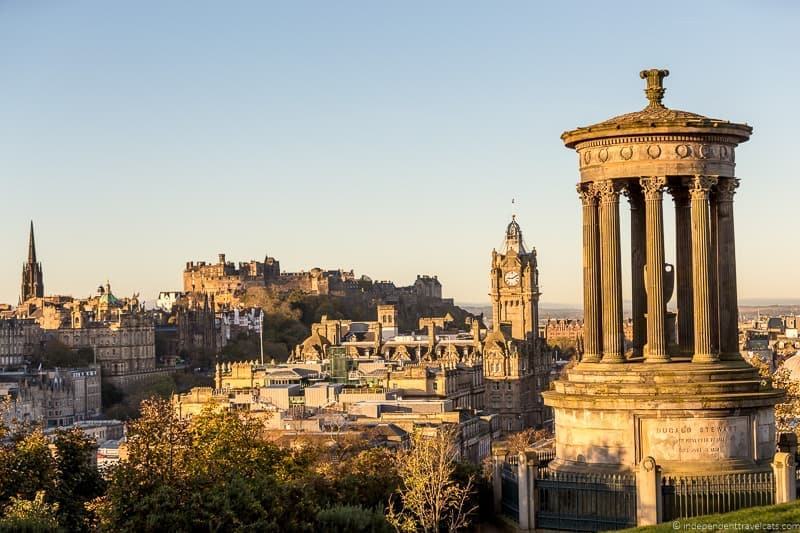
733, 526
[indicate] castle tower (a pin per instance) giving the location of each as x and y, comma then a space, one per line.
692, 407
514, 281
32, 284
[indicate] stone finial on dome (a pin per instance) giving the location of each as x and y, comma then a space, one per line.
655, 85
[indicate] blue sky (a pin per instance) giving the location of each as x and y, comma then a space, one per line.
388, 137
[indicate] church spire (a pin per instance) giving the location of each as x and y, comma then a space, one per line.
31, 247
32, 284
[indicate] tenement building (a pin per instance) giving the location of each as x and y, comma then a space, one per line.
52, 398
19, 338
681, 408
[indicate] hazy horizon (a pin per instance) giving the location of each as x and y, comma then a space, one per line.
386, 138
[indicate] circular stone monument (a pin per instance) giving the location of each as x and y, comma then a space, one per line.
680, 393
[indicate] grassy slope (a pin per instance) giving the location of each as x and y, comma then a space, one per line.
787, 513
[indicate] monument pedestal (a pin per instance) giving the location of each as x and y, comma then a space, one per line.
690, 417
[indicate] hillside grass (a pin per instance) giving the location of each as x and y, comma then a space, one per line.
769, 518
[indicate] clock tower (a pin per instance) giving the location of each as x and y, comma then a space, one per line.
515, 286
515, 367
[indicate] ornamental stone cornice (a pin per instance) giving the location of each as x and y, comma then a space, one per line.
653, 156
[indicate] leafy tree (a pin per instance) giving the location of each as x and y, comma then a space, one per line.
367, 479
29, 516
77, 479
43, 481
124, 405
57, 354
430, 499
26, 465
521, 440
215, 472
787, 413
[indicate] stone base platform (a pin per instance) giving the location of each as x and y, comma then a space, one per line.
692, 418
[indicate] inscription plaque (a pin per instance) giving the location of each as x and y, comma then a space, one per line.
696, 439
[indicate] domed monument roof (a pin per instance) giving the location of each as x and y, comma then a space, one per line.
656, 118
656, 141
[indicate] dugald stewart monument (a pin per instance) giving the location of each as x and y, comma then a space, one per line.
681, 400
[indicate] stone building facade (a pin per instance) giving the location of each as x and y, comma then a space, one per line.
53, 398
19, 337
119, 331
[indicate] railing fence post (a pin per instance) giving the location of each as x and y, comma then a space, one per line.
525, 485
498, 457
785, 480
648, 493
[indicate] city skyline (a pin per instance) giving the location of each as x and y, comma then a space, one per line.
148, 156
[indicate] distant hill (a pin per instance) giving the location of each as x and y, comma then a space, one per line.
749, 308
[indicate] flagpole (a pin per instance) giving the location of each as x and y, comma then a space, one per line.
261, 334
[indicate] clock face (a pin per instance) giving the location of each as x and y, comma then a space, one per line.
512, 279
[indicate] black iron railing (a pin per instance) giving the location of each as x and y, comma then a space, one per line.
584, 502
690, 496
509, 501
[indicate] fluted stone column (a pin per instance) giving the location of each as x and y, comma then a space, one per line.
611, 272
699, 189
728, 297
683, 267
713, 270
592, 345
638, 259
656, 347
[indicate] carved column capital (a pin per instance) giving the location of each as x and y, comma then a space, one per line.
587, 193
609, 190
700, 186
653, 186
726, 188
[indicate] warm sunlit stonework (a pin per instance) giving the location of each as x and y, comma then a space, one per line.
683, 395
